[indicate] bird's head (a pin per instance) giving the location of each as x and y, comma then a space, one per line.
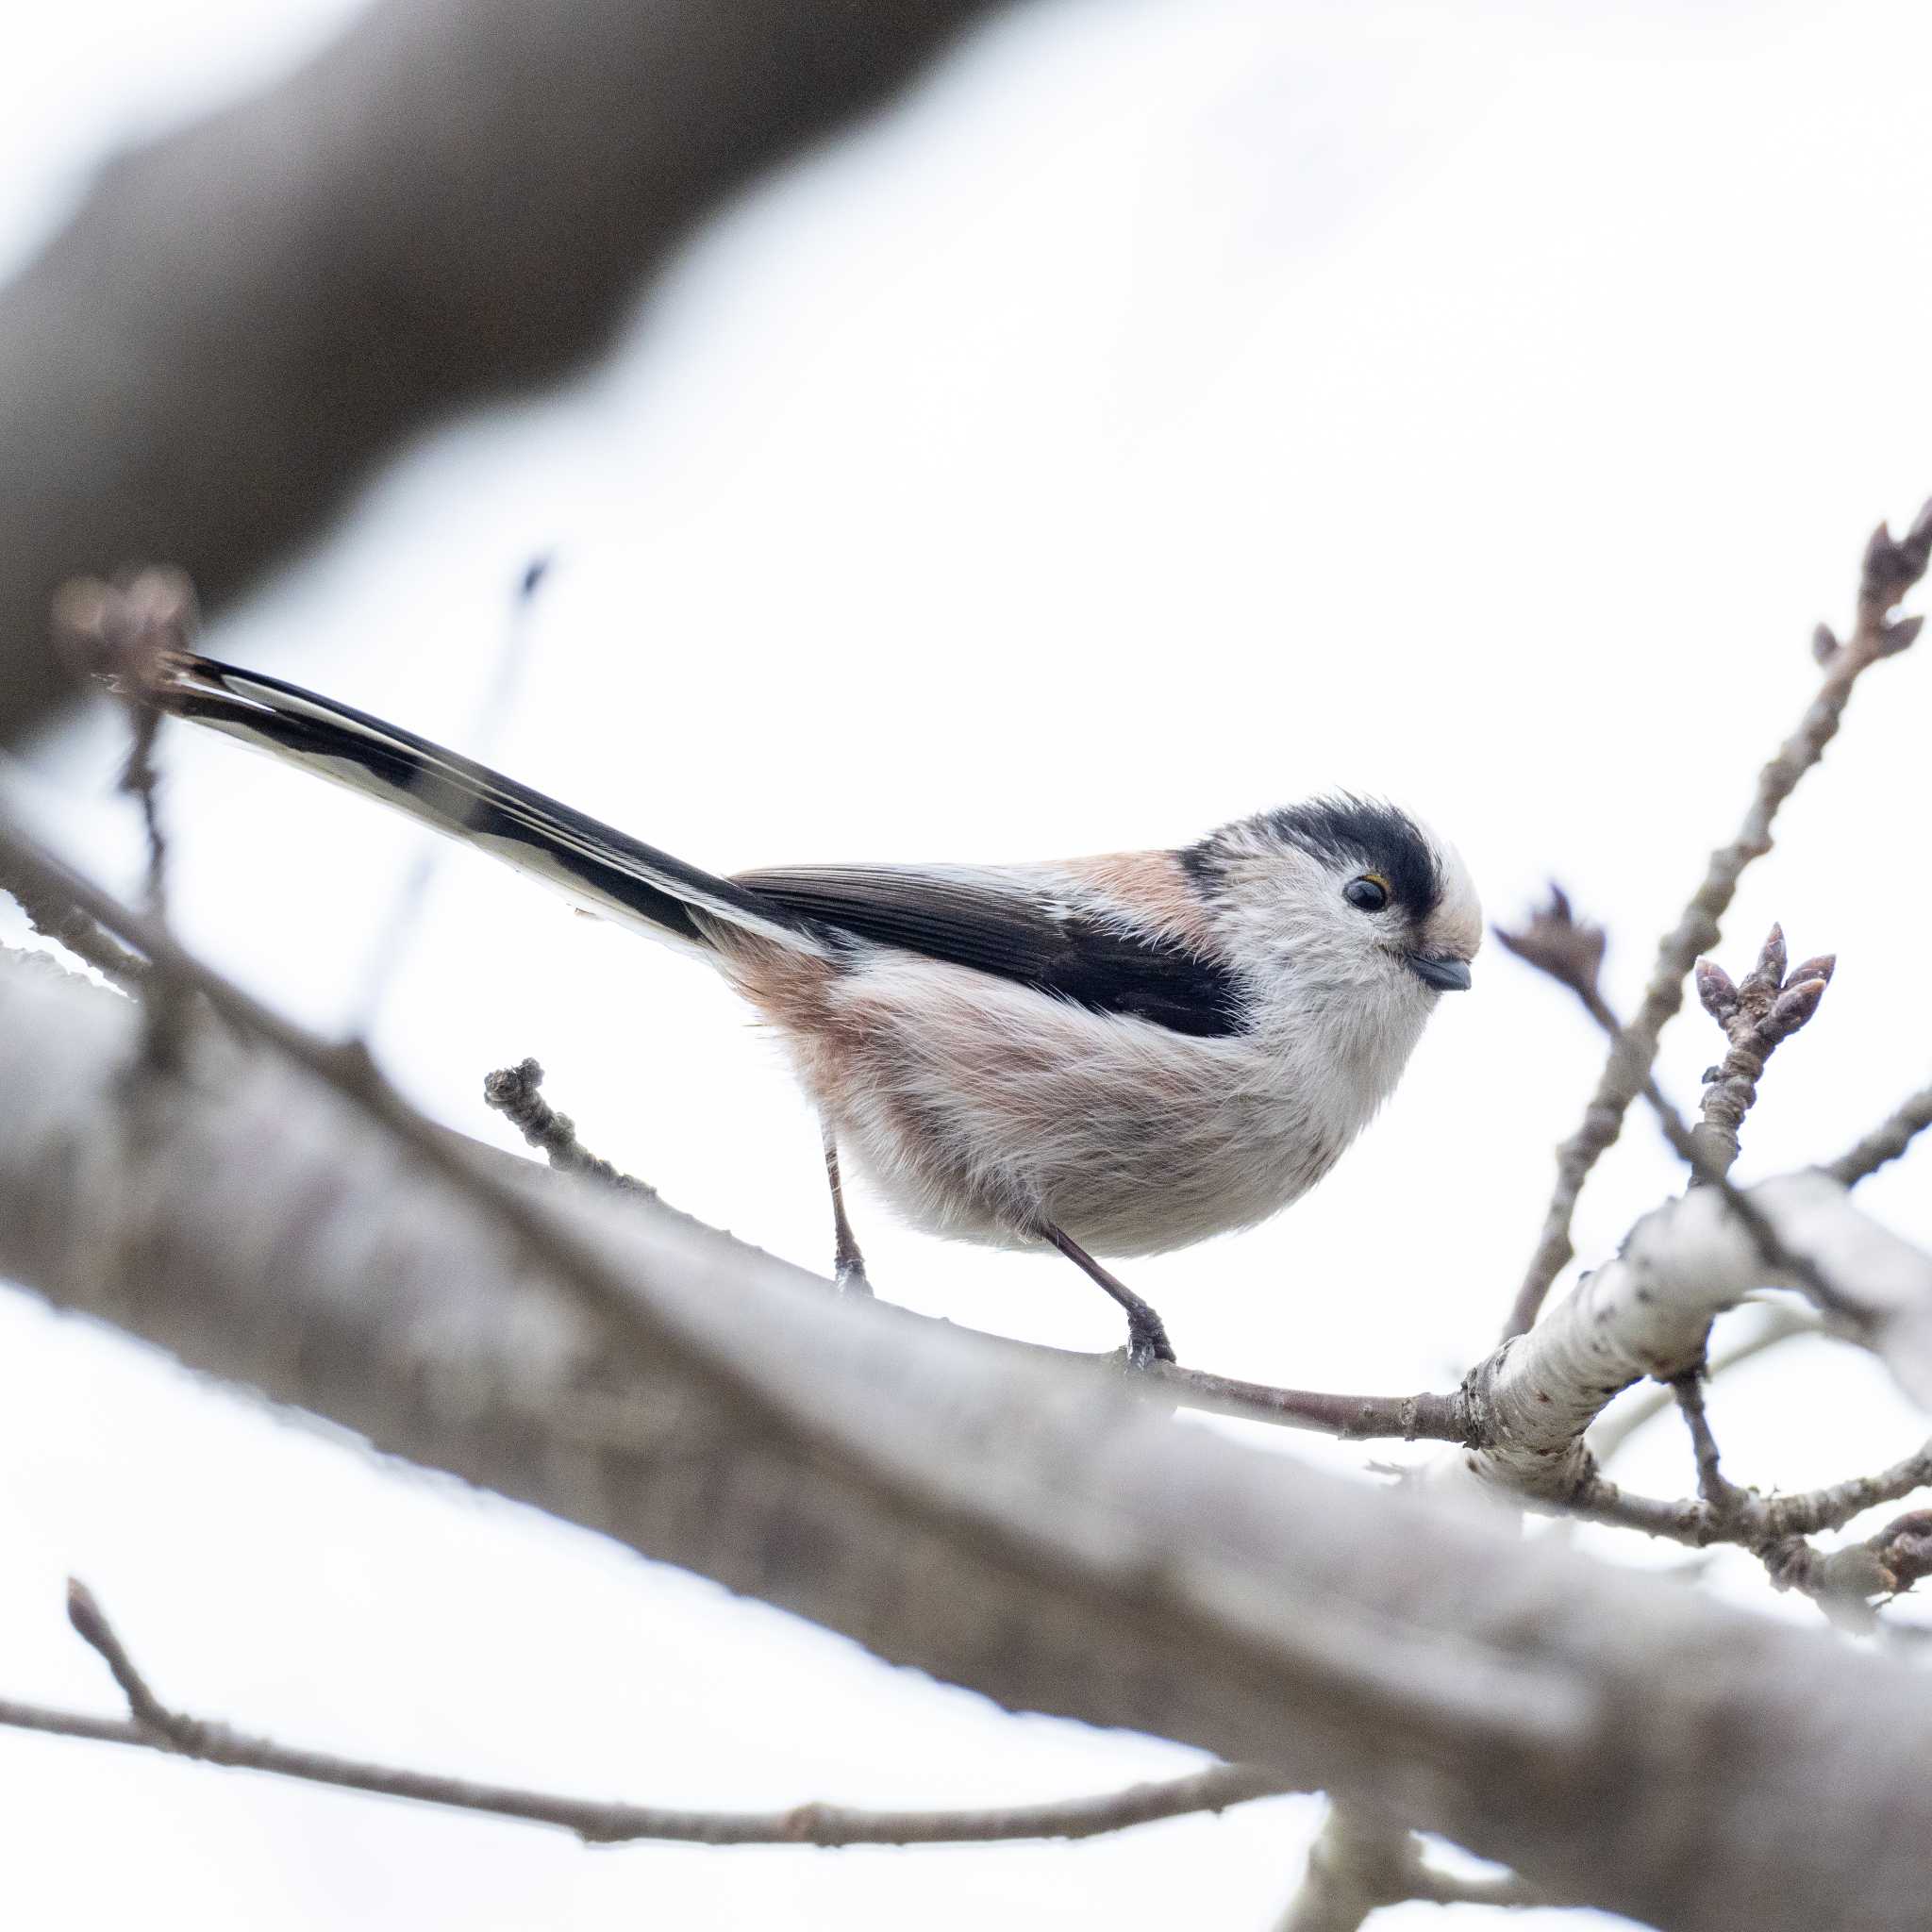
1339, 899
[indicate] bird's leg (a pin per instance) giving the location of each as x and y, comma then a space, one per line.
1146, 1336
848, 1264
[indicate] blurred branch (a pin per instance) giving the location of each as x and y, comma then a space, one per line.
454, 201
1885, 1142
155, 1727
1890, 567
965, 1509
1357, 1864
1844, 1581
55, 916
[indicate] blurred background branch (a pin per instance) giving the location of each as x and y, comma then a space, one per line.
458, 200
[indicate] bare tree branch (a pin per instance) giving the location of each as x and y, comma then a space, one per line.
1569, 951
981, 1515
1648, 1312
1778, 1321
1891, 568
285, 291
1749, 1519
1885, 1142
155, 1727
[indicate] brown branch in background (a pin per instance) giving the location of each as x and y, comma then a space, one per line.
1886, 1142
405, 226
157, 1727
512, 1092
1891, 568
1756, 1015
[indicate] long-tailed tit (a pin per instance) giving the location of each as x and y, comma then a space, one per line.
1124, 1054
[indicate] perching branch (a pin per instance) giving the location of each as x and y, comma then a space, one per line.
1891, 568
965, 1509
156, 1726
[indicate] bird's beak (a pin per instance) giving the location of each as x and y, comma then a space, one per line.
1444, 974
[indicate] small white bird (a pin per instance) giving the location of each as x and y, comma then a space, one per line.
1128, 1053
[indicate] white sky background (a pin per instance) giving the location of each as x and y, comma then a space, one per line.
1169, 410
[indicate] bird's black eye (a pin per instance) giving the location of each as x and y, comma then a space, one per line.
1369, 893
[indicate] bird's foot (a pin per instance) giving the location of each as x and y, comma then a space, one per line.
1148, 1341
849, 1276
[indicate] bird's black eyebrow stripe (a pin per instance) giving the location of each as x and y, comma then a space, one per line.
1339, 830
965, 924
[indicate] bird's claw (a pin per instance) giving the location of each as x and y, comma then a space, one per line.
1148, 1343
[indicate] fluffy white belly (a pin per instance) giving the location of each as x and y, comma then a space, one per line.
995, 1111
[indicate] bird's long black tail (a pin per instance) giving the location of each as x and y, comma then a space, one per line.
602, 869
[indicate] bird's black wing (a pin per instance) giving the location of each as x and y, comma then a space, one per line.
1016, 930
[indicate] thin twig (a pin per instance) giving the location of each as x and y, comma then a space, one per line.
1886, 1142
1425, 1418
1891, 568
156, 1726
1569, 951
1752, 1519
512, 1092
1720, 1496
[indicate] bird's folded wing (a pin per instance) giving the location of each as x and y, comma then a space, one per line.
1018, 925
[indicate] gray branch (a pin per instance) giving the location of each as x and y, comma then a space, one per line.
990, 1518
